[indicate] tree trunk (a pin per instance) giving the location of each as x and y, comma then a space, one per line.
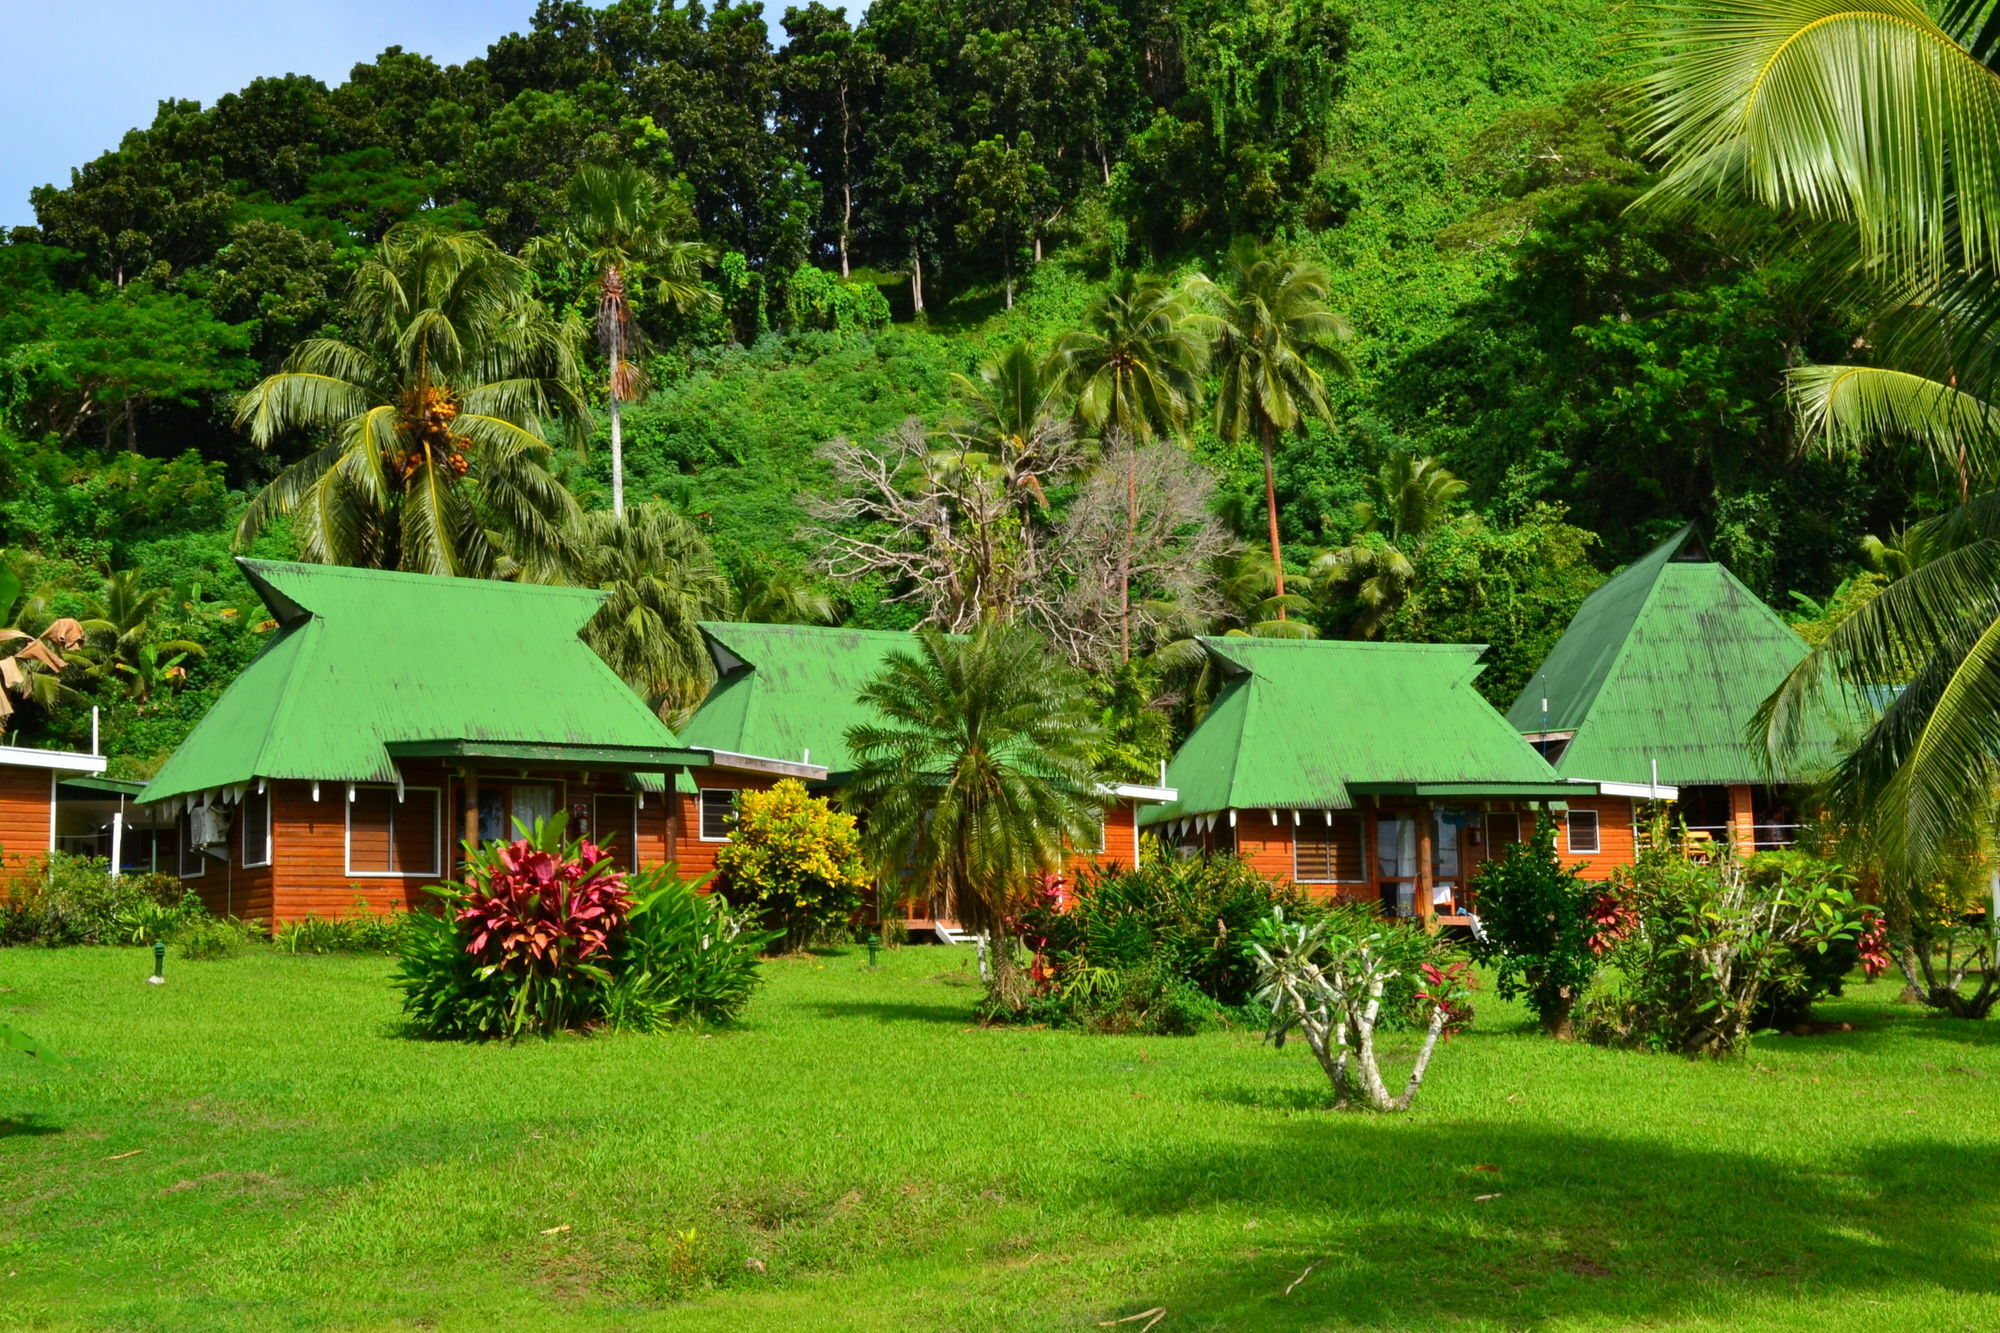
1010, 285
916, 283
617, 447
131, 425
1431, 1036
1125, 557
1271, 514
1557, 1016
846, 178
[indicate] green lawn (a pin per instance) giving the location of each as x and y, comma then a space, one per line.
252, 1145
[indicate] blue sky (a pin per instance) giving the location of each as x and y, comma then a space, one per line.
82, 72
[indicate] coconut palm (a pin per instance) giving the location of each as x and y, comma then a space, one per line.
1274, 334
1408, 499
435, 417
1134, 369
1012, 416
123, 620
627, 234
1879, 122
977, 775
772, 596
663, 581
36, 647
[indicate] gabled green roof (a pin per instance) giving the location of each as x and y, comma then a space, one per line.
365, 660
1668, 661
786, 690
1305, 723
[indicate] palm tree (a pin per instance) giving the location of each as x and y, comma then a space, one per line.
1409, 498
773, 596
124, 618
977, 776
664, 581
436, 416
1011, 416
1135, 369
1878, 123
1273, 327
623, 231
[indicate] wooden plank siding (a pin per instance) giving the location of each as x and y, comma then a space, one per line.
1267, 845
27, 816
309, 875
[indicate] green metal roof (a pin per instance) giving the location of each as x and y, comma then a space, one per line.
1314, 723
1668, 661
363, 660
786, 690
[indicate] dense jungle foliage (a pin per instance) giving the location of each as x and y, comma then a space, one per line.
1544, 381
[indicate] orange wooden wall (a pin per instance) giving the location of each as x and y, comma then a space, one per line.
27, 815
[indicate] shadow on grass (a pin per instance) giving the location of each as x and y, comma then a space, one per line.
1572, 1226
30, 1126
890, 1011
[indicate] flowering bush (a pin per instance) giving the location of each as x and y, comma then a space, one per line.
793, 860
1721, 948
548, 934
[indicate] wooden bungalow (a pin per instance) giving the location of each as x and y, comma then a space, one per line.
1376, 772
31, 789
392, 715
795, 690
1658, 677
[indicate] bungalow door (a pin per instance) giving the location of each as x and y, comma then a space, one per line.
507, 808
1396, 862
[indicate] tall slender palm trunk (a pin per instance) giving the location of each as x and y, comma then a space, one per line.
1271, 515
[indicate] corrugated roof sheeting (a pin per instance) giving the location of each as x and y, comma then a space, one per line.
366, 657
789, 689
1667, 662
1297, 720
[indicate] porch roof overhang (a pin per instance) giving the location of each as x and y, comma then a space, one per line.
1142, 793
62, 761
603, 758
1524, 791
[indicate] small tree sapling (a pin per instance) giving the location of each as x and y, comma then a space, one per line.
1540, 925
1329, 979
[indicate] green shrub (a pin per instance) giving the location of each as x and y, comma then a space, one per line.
211, 940
794, 861
1160, 949
362, 930
65, 900
549, 935
1701, 947
1538, 926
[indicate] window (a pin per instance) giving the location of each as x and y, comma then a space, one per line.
508, 810
1503, 830
614, 824
192, 862
391, 836
256, 820
718, 814
1583, 831
1095, 845
1328, 853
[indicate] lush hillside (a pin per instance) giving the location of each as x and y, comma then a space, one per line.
889, 205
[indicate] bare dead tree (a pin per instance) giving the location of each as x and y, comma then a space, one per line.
955, 531
1149, 505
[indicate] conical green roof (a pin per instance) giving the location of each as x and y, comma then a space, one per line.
1305, 723
364, 660
1667, 662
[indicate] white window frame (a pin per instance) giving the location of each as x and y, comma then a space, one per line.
701, 810
244, 850
183, 832
1596, 847
437, 832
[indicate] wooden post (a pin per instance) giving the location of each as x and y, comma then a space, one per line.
470, 821
1426, 853
1742, 822
670, 799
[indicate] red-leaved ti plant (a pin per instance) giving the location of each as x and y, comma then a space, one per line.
1873, 944
1610, 919
532, 911
1450, 989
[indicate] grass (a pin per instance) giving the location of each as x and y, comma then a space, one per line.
254, 1146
